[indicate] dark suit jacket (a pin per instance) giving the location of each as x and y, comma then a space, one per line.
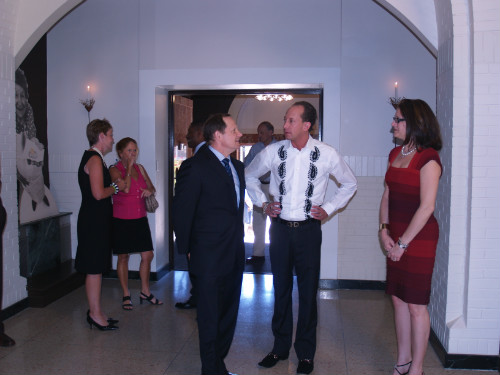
207, 222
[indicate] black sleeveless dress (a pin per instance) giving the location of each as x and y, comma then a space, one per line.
93, 254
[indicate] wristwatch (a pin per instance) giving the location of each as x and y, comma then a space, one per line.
402, 245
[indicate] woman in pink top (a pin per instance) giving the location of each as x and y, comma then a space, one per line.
131, 233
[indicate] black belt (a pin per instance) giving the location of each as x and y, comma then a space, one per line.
295, 224
264, 183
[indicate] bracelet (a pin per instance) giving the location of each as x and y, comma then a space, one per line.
115, 186
403, 245
264, 206
383, 226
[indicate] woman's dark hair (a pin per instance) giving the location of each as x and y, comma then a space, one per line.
214, 123
122, 143
96, 127
422, 126
309, 115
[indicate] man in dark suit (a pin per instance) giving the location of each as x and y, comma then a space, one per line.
208, 223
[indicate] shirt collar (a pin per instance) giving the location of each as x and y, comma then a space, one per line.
198, 147
218, 154
308, 146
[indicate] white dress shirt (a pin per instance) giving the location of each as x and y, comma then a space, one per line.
299, 178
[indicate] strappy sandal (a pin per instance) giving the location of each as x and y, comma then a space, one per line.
127, 306
398, 366
149, 299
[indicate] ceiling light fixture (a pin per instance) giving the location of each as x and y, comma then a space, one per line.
274, 97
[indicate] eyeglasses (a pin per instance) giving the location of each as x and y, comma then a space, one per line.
397, 120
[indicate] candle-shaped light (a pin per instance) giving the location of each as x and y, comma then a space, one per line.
396, 89
88, 92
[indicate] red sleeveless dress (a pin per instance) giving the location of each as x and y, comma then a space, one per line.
410, 278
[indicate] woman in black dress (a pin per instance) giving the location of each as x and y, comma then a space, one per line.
93, 254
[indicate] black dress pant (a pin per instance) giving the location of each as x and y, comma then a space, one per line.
299, 248
218, 300
192, 292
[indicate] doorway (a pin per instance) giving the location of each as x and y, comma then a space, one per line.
186, 106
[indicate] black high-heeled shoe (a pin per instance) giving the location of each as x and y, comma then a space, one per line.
110, 320
92, 322
149, 299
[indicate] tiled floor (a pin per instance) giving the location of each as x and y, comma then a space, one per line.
355, 335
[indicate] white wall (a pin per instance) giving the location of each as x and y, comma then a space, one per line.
126, 49
376, 52
94, 45
14, 285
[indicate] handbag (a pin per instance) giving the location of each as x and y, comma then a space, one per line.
151, 202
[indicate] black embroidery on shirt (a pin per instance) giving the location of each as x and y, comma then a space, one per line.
313, 172
282, 153
315, 155
311, 175
282, 188
282, 170
310, 190
308, 206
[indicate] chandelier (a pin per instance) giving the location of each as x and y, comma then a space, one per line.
274, 97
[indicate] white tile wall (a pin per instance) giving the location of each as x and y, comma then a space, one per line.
360, 255
14, 286
467, 272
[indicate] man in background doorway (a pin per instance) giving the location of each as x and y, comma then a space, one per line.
195, 140
265, 132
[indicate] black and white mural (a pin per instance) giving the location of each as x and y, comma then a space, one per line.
35, 200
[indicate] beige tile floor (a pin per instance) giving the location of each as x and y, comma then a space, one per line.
355, 335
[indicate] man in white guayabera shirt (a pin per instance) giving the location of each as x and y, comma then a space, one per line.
300, 169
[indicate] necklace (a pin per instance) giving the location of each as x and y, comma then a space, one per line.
100, 153
406, 153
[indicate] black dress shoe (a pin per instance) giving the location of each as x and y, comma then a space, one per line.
189, 304
6, 340
255, 260
305, 366
271, 359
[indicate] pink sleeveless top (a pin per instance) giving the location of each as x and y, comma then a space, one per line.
130, 205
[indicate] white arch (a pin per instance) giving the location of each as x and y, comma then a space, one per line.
34, 19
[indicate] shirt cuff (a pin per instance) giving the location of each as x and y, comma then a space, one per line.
328, 207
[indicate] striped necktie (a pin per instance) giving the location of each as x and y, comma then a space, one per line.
225, 161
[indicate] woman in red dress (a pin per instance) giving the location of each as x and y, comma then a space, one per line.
409, 231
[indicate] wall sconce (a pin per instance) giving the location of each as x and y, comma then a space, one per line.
89, 102
395, 99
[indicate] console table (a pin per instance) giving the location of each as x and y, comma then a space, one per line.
45, 259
